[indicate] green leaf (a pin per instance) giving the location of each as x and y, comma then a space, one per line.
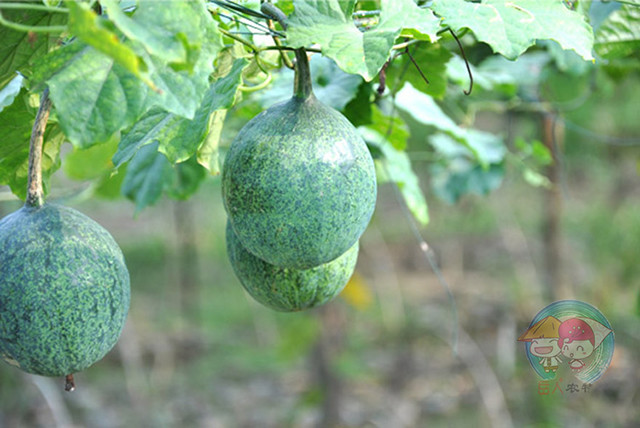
10, 91
91, 163
93, 96
536, 179
393, 128
495, 79
425, 110
394, 165
208, 154
619, 34
511, 27
173, 33
188, 176
329, 23
16, 122
85, 24
19, 49
358, 110
148, 174
179, 138
432, 60
460, 177
481, 147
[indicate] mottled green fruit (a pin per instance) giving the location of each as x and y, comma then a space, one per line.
285, 289
64, 290
299, 184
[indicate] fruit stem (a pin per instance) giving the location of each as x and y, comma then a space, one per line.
35, 194
69, 383
302, 87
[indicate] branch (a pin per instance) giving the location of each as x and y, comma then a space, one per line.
35, 194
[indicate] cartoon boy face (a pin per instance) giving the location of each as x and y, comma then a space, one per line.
545, 347
577, 349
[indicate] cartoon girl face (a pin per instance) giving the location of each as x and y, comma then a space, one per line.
577, 340
577, 349
545, 347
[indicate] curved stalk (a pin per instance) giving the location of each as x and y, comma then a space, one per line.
302, 87
35, 194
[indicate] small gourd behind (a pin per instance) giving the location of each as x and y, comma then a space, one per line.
287, 289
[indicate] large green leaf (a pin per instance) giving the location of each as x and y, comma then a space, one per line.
173, 32
16, 122
329, 23
619, 34
95, 97
18, 49
179, 138
510, 27
393, 165
85, 24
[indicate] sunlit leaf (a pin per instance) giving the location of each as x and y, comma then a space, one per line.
173, 32
180, 138
511, 27
619, 34
329, 23
85, 24
394, 165
10, 91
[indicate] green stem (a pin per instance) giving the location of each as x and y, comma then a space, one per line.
302, 87
29, 6
274, 12
240, 39
31, 28
35, 194
257, 87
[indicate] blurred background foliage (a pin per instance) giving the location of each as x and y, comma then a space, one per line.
540, 203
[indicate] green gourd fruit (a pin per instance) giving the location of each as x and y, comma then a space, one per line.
287, 289
298, 182
64, 290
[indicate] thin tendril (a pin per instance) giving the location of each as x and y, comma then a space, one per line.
466, 62
416, 65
